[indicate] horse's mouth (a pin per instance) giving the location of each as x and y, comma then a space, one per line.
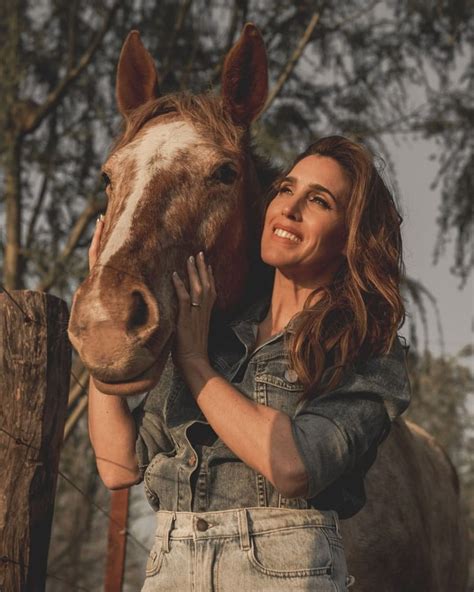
142, 382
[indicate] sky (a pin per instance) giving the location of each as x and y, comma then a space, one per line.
420, 207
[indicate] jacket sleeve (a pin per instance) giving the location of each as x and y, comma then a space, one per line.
333, 432
152, 435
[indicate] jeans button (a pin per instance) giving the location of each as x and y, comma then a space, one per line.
202, 525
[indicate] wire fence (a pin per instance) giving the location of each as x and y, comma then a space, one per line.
18, 440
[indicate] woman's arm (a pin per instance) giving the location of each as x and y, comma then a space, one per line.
111, 427
112, 433
259, 435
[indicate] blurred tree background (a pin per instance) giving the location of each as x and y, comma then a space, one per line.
371, 70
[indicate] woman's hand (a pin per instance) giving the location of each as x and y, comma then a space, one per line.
194, 313
94, 248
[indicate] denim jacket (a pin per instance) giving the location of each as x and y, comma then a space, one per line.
186, 467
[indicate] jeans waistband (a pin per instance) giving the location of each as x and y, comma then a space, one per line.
237, 523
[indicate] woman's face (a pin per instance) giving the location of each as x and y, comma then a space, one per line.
304, 232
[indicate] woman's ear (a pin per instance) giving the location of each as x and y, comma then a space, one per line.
245, 77
137, 79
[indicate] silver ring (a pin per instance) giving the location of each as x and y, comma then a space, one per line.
195, 304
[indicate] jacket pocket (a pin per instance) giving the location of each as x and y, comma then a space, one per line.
292, 551
277, 386
160, 480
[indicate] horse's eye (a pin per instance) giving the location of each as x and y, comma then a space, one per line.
226, 174
105, 180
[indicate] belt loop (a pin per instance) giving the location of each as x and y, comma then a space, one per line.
165, 542
244, 530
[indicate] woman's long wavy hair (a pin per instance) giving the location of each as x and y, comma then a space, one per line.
358, 314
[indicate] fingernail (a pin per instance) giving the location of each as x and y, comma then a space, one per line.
191, 259
201, 255
101, 217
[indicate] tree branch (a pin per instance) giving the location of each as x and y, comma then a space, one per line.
52, 139
36, 117
234, 21
291, 63
171, 50
79, 386
36, 210
75, 417
90, 212
72, 33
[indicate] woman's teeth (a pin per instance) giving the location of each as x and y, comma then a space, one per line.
286, 234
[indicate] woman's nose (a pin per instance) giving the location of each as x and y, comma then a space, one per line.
291, 211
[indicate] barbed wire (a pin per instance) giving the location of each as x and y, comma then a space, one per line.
27, 317
21, 442
24, 566
18, 440
93, 503
30, 320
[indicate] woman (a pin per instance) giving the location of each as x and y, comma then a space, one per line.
263, 439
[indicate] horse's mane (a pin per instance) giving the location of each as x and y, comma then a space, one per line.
203, 110
206, 111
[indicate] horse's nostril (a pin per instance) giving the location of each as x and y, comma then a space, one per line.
139, 312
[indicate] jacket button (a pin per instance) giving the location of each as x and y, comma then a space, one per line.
291, 375
202, 525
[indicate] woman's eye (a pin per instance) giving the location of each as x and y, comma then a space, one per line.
318, 199
284, 189
105, 180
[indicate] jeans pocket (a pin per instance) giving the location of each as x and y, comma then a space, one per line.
292, 551
153, 563
334, 538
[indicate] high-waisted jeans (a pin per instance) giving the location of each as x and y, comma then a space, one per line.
264, 549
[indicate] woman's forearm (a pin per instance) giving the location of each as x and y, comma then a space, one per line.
112, 433
259, 435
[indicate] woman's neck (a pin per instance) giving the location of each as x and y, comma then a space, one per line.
288, 298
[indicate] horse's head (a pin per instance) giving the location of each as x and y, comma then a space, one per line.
180, 180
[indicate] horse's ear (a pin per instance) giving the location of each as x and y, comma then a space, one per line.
245, 77
137, 79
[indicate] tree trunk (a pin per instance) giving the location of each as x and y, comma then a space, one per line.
35, 359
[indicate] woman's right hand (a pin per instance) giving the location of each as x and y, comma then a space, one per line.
94, 248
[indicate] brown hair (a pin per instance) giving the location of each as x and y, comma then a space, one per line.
358, 314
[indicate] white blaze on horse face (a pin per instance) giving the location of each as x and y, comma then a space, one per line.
154, 151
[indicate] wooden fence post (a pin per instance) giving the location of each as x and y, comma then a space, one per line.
35, 362
117, 541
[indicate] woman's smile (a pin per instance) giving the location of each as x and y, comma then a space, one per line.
282, 232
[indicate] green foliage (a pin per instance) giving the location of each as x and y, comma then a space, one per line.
369, 70
357, 75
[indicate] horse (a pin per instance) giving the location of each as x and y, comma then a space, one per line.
184, 177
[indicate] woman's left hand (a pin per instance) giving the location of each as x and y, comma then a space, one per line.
194, 312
